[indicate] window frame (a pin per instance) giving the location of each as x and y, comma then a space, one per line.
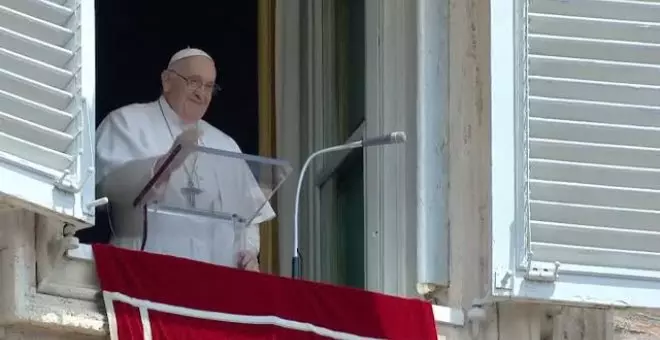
324, 130
575, 285
390, 227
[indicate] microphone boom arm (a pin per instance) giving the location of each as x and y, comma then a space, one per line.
295, 263
391, 138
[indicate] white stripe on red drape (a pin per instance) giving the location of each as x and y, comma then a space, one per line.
112, 316
144, 306
158, 297
146, 323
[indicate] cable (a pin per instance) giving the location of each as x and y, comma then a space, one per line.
145, 229
108, 213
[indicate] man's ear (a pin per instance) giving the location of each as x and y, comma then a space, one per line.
165, 80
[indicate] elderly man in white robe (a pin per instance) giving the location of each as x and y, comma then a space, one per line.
133, 141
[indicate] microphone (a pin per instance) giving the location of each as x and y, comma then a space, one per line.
397, 137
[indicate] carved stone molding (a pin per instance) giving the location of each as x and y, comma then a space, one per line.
40, 286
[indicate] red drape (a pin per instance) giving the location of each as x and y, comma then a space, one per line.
164, 297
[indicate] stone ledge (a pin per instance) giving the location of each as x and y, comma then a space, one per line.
60, 314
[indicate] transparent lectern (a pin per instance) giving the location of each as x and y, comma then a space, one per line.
199, 202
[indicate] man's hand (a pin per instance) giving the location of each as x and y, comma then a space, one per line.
248, 261
188, 138
188, 141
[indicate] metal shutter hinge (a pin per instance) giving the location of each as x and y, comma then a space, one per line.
504, 279
542, 271
67, 184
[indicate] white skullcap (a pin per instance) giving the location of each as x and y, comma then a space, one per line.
186, 53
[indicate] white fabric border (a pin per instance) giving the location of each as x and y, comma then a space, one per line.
110, 297
112, 317
146, 323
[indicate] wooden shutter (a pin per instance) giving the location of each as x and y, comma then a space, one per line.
594, 132
575, 104
47, 105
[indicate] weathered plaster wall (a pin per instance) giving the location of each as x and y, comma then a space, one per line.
469, 150
469, 156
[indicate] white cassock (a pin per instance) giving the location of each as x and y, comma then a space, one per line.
129, 141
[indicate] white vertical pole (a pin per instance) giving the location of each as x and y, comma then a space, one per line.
432, 143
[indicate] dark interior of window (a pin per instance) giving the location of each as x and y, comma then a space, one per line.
134, 41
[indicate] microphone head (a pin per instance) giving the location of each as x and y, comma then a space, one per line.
398, 137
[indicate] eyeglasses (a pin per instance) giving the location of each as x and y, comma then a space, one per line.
195, 83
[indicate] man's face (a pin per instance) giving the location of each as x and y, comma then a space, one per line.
189, 85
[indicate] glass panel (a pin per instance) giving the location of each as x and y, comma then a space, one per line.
343, 231
215, 183
350, 216
214, 193
328, 264
350, 54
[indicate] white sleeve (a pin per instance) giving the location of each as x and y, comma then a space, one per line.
116, 143
121, 168
124, 183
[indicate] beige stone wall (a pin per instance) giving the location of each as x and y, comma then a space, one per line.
469, 155
469, 152
637, 325
24, 333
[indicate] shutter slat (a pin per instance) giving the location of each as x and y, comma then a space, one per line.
34, 27
598, 112
595, 174
597, 70
575, 193
42, 9
34, 112
623, 51
39, 50
35, 153
60, 2
604, 9
594, 153
25, 87
31, 132
597, 237
579, 27
594, 132
594, 91
597, 256
632, 219
34, 69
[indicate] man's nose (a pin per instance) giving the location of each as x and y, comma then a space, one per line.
199, 95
